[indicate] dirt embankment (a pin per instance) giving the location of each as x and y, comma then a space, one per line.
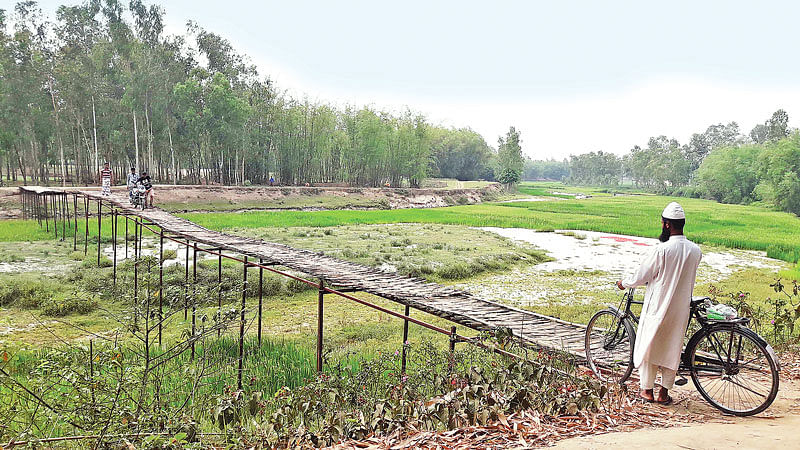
10, 206
235, 198
238, 198
300, 197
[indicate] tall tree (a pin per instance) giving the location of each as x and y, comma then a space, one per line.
509, 158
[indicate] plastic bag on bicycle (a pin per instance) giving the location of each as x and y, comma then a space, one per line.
721, 312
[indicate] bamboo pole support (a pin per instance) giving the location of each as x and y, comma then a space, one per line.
320, 310
160, 283
99, 226
194, 294
46, 216
260, 297
241, 326
75, 214
186, 284
86, 225
405, 340
219, 289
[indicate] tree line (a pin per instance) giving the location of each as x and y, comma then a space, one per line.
103, 82
720, 163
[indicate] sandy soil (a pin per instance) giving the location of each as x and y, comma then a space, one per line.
775, 428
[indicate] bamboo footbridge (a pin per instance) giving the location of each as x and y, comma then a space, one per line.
335, 276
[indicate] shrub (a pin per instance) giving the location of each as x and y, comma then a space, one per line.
90, 262
14, 290
13, 258
93, 279
26, 293
170, 254
60, 304
456, 271
273, 285
294, 286
401, 243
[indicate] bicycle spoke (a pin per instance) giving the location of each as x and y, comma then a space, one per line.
746, 388
749, 385
733, 371
608, 347
716, 349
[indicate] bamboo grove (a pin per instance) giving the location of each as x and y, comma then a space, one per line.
102, 81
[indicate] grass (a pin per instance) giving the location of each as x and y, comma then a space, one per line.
32, 300
432, 251
732, 226
793, 274
549, 189
269, 367
16, 230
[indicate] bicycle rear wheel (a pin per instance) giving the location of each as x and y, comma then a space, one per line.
609, 346
733, 369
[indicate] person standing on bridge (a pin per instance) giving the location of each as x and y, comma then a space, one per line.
669, 272
106, 177
133, 177
147, 183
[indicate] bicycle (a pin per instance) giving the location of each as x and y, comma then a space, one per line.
733, 368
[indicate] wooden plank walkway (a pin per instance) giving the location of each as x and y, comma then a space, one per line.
452, 304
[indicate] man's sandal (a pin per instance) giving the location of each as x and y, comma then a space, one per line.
666, 402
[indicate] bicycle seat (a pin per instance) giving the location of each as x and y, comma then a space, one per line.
697, 301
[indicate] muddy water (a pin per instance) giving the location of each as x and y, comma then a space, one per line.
150, 248
32, 265
620, 254
587, 263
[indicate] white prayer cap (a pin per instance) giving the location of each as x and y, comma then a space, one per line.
673, 211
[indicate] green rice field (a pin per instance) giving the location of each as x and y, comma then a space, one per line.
733, 226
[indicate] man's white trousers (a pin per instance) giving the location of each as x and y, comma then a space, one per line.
648, 372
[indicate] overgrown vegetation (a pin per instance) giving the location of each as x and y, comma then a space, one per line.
112, 389
732, 226
441, 390
435, 252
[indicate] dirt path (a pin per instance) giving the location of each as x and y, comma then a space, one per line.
776, 428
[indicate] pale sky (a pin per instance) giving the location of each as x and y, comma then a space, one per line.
572, 76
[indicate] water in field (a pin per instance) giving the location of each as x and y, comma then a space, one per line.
587, 263
150, 248
620, 254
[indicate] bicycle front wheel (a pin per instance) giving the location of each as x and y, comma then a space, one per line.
733, 369
609, 346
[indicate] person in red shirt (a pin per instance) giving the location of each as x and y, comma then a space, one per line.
106, 178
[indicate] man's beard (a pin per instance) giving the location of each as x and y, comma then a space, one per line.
664, 234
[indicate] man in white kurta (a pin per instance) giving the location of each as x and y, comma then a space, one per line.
669, 272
